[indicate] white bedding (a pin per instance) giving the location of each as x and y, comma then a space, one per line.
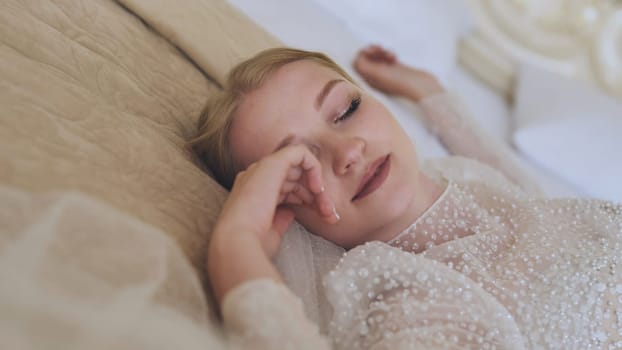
572, 129
340, 30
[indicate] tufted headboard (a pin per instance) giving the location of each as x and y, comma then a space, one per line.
98, 99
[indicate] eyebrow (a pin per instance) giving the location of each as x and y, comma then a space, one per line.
284, 142
324, 92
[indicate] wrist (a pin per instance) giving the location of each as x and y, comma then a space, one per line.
418, 94
234, 258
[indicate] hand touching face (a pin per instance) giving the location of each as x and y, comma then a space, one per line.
258, 202
250, 226
368, 164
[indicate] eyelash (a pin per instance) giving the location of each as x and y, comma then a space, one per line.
354, 105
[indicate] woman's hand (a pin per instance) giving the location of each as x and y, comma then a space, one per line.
255, 215
257, 204
381, 69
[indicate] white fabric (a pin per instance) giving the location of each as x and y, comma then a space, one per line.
490, 109
449, 119
577, 39
264, 315
607, 54
499, 269
406, 26
303, 260
543, 271
571, 129
79, 274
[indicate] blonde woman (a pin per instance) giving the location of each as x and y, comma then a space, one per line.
444, 254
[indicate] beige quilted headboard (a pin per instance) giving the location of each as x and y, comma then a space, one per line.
100, 97
212, 33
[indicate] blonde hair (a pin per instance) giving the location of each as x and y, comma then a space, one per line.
212, 140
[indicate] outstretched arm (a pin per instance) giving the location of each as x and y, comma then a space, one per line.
443, 113
257, 308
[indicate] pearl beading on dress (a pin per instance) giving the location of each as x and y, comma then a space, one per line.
484, 268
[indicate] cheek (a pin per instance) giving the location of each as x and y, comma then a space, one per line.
380, 120
389, 129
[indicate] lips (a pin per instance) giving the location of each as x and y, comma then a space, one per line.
374, 177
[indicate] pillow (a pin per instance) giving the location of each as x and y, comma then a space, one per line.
571, 129
93, 101
79, 274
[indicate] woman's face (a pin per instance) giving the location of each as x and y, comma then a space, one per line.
368, 162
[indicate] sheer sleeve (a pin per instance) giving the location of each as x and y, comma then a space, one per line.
262, 314
447, 117
384, 298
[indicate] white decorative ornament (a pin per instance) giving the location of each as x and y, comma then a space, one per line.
607, 54
579, 39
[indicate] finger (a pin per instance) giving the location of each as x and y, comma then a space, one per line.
377, 52
312, 172
294, 174
289, 198
369, 49
358, 61
390, 56
298, 190
326, 208
289, 186
304, 194
311, 167
374, 48
314, 181
283, 217
375, 55
386, 56
369, 53
299, 156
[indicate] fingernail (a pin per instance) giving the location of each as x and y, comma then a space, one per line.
336, 214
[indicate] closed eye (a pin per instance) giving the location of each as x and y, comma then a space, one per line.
354, 105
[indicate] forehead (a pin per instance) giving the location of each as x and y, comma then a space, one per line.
295, 78
276, 109
290, 88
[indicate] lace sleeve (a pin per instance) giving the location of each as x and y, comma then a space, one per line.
384, 298
262, 314
448, 118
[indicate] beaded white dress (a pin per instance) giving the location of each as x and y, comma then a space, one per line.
495, 269
487, 266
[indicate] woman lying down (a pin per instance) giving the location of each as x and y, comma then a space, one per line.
436, 259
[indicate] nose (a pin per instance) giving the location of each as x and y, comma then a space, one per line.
347, 153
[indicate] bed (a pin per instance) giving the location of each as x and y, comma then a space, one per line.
104, 212
500, 72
